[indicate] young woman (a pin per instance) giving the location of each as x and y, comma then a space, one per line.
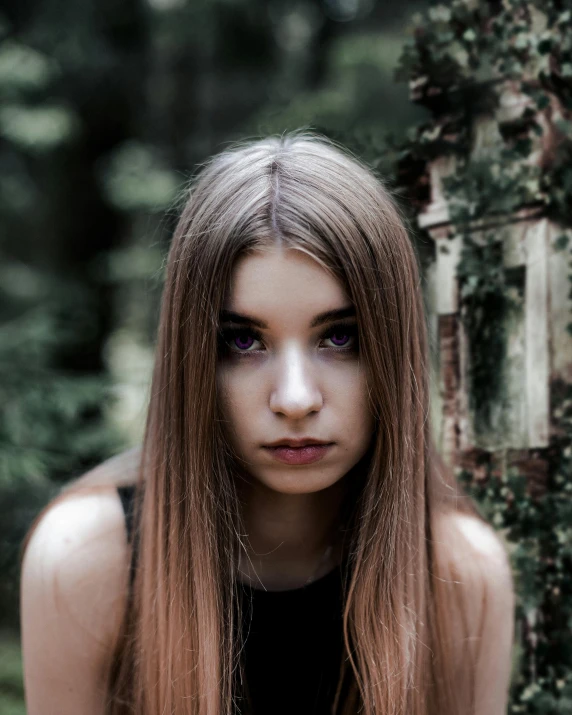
287, 539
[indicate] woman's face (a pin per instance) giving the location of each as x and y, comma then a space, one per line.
284, 372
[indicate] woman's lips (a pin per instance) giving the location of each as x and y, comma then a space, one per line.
299, 455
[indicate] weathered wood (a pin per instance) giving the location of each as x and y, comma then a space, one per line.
437, 212
449, 380
448, 254
536, 326
560, 305
537, 356
464, 418
516, 399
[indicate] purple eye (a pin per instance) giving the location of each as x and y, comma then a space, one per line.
237, 340
243, 341
344, 336
339, 338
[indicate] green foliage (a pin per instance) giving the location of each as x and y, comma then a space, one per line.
37, 129
538, 529
53, 388
458, 61
43, 425
485, 305
51, 419
11, 676
134, 179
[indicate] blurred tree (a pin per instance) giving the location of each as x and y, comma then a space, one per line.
105, 108
68, 96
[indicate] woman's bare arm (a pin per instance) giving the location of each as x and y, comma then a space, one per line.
482, 567
495, 649
73, 588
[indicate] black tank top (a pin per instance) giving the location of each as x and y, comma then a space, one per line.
293, 641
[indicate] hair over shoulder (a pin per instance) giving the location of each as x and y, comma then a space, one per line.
178, 651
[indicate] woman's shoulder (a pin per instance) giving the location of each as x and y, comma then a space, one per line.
78, 555
74, 585
466, 542
473, 568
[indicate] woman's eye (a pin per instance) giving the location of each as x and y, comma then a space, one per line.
342, 335
241, 340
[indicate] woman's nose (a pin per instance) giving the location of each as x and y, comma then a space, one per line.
295, 391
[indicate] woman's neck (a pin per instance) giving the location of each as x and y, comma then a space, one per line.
288, 535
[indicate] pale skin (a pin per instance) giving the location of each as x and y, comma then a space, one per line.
297, 384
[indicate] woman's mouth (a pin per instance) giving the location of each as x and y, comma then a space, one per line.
299, 455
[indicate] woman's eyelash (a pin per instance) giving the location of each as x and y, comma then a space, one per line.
226, 335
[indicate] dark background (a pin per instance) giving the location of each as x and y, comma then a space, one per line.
106, 109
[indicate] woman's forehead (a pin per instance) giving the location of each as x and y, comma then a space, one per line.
283, 279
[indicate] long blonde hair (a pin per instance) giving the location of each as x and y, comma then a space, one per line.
178, 651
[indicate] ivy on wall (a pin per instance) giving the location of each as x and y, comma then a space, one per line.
538, 529
462, 60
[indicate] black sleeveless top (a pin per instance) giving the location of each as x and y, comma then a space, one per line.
293, 642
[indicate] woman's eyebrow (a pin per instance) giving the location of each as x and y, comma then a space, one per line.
228, 316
